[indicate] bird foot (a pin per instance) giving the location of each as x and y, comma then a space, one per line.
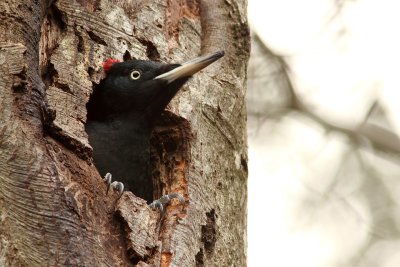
115, 185
158, 203
164, 200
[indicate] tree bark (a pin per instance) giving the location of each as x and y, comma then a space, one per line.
54, 206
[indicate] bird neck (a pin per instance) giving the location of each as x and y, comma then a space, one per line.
133, 122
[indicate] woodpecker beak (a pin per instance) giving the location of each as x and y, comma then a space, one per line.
190, 67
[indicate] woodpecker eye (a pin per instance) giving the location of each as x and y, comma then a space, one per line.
135, 75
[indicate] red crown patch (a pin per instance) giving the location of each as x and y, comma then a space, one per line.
108, 63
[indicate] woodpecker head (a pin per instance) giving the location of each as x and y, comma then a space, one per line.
144, 86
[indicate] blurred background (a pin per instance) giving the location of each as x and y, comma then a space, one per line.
323, 127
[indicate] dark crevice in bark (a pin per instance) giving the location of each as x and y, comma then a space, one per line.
53, 27
200, 258
19, 81
132, 255
136, 258
63, 86
243, 163
50, 78
58, 17
151, 49
69, 142
81, 45
49, 74
90, 6
208, 232
95, 38
127, 56
125, 231
91, 71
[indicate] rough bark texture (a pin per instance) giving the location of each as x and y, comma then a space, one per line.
54, 209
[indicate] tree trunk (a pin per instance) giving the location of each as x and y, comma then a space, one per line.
54, 206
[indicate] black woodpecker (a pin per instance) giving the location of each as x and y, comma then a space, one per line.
122, 112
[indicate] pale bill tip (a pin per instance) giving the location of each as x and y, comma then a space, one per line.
190, 67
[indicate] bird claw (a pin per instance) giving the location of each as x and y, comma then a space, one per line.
164, 200
115, 185
158, 203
